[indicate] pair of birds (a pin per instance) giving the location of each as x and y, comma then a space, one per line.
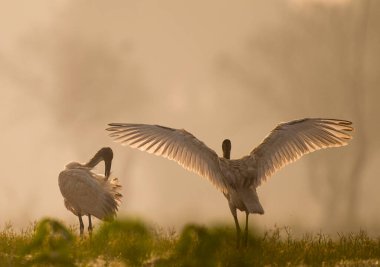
87, 193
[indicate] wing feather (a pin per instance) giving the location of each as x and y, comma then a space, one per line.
174, 144
88, 193
290, 141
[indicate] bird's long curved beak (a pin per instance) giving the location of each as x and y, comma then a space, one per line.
107, 164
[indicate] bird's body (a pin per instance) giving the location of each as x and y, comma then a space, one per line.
238, 178
241, 192
88, 193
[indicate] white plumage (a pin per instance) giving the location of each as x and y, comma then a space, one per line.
89, 193
237, 179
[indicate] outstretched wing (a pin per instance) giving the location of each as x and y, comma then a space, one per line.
174, 144
289, 141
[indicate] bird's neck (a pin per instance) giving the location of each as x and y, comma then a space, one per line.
76, 165
94, 161
226, 154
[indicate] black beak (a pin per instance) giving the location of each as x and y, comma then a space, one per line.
107, 170
107, 155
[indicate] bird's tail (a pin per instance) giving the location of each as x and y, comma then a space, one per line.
112, 197
251, 200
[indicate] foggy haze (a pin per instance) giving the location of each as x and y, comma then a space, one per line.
216, 68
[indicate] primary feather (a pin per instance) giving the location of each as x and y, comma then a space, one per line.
289, 141
174, 144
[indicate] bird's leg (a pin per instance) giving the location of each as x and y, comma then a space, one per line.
81, 225
89, 225
238, 231
246, 229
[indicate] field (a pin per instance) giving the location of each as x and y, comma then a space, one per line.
133, 243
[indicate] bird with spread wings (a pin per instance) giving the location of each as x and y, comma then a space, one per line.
237, 178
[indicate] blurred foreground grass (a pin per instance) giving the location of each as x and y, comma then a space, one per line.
133, 243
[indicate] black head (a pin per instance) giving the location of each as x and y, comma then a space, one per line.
104, 154
226, 146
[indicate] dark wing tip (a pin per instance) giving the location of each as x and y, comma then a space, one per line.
337, 121
344, 122
331, 121
114, 126
346, 125
349, 128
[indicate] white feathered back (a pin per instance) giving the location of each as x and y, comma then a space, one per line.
88, 193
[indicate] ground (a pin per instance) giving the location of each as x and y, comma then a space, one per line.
134, 243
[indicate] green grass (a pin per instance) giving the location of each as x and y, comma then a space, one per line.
133, 243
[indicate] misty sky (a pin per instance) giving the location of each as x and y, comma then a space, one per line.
67, 68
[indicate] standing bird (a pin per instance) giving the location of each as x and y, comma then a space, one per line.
89, 193
238, 178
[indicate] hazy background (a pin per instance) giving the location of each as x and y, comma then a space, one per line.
219, 69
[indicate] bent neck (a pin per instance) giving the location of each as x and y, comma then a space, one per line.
75, 165
104, 154
226, 154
